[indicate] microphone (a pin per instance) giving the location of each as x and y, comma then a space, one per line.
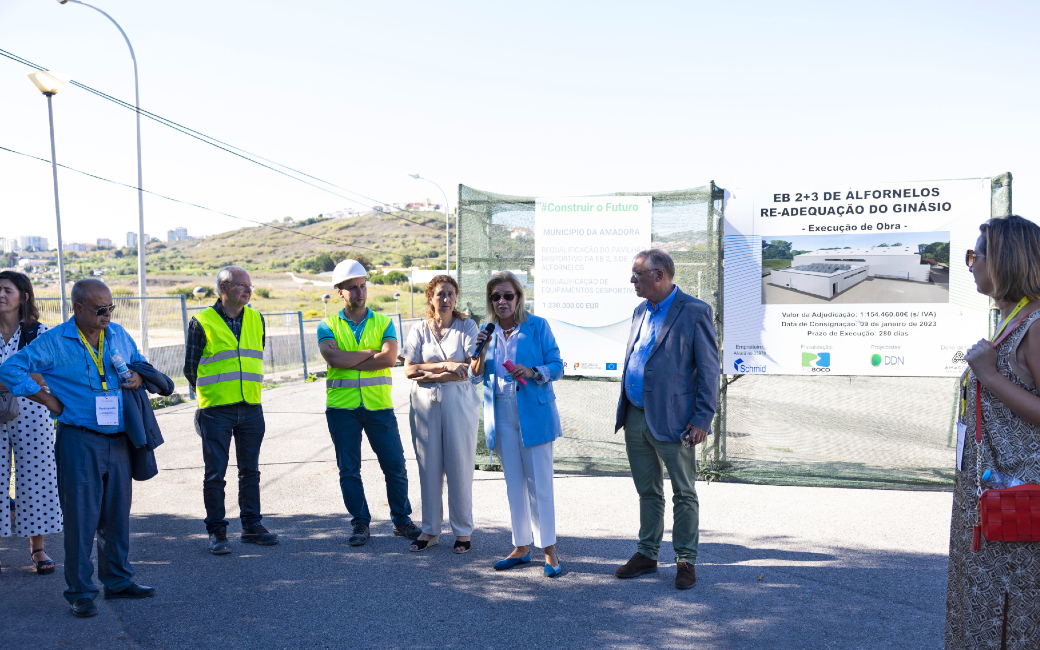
489, 330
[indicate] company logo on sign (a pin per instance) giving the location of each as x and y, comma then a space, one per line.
816, 362
877, 360
959, 358
576, 364
746, 368
611, 366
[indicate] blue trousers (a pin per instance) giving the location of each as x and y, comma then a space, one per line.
217, 425
345, 426
94, 488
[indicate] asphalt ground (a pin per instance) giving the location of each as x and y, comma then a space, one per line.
779, 567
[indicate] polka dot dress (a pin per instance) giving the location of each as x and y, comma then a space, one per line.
30, 439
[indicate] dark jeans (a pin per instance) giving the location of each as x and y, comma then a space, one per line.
217, 425
95, 491
345, 426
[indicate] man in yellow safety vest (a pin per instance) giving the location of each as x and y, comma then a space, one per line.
360, 347
223, 362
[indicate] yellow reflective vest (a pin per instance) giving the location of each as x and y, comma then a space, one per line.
231, 370
349, 389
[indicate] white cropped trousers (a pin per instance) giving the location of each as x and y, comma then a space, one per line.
529, 478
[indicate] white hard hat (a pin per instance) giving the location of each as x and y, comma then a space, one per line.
348, 270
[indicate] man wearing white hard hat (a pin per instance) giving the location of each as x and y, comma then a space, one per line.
360, 347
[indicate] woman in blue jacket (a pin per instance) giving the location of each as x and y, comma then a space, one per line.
520, 420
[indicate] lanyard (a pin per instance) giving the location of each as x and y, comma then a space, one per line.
98, 357
996, 337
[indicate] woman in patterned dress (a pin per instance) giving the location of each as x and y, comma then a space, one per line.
993, 595
29, 437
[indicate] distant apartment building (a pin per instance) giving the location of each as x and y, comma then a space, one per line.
75, 247
177, 234
345, 213
104, 241
34, 242
131, 239
9, 245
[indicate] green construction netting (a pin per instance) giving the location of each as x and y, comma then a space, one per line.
872, 432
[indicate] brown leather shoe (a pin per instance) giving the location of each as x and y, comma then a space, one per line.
685, 575
636, 566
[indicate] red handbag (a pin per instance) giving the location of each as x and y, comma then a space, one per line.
1008, 515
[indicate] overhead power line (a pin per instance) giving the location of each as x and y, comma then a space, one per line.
202, 207
231, 149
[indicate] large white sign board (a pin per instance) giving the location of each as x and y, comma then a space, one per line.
583, 265
853, 280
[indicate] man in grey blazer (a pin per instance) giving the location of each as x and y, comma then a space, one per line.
669, 387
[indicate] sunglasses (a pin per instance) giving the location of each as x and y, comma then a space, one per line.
508, 297
971, 256
106, 309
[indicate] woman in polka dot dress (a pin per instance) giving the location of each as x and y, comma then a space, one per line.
29, 437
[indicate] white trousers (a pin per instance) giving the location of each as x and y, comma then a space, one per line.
529, 478
444, 435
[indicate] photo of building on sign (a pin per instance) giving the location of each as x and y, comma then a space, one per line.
861, 269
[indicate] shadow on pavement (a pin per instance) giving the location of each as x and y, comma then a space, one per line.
315, 591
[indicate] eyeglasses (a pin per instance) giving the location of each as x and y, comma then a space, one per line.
971, 256
101, 311
508, 297
637, 274
241, 285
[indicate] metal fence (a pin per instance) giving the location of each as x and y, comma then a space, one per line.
290, 347
895, 432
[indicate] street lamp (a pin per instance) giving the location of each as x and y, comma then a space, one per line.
199, 293
325, 298
447, 246
397, 304
142, 287
49, 83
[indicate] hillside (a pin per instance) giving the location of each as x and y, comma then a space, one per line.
384, 240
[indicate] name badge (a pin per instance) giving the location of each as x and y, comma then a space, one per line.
106, 409
962, 431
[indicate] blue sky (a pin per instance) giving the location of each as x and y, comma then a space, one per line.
816, 242
536, 98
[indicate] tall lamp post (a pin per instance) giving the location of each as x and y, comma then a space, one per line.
49, 84
142, 286
447, 246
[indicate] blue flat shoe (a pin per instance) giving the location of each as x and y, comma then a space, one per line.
511, 562
552, 572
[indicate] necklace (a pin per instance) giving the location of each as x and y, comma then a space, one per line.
507, 332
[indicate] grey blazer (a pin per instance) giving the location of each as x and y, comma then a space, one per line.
681, 377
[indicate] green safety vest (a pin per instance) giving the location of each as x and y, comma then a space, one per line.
231, 370
346, 388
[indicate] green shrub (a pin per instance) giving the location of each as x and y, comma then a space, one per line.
385, 299
378, 278
263, 292
396, 277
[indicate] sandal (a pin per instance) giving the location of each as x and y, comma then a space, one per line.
461, 547
422, 544
43, 567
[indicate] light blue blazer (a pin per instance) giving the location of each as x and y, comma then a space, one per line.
536, 403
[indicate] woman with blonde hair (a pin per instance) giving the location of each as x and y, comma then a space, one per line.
993, 585
520, 417
442, 413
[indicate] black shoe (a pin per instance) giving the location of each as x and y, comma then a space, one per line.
408, 529
133, 591
218, 542
360, 535
84, 608
258, 535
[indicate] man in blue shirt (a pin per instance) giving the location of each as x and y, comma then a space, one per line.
91, 446
666, 407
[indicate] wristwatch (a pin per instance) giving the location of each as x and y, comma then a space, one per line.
537, 376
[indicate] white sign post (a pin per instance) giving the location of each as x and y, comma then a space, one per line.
583, 265
853, 280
